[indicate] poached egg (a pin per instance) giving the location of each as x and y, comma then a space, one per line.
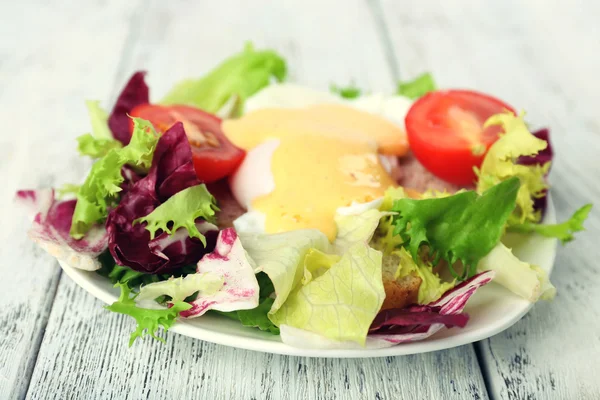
310, 155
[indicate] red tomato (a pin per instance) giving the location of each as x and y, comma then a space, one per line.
445, 132
214, 156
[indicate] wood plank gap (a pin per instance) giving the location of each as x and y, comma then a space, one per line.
384, 35
132, 38
483, 367
130, 41
44, 318
382, 29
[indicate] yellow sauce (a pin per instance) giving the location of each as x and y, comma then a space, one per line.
321, 163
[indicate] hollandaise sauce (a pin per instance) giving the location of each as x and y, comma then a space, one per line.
317, 167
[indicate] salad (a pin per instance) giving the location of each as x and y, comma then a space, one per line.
333, 218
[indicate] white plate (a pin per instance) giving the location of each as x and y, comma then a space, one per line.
492, 309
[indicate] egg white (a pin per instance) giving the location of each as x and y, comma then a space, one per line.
288, 95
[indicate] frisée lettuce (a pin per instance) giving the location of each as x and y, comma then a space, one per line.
500, 164
102, 184
100, 141
148, 320
463, 227
563, 231
181, 211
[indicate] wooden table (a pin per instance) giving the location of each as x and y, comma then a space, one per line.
57, 342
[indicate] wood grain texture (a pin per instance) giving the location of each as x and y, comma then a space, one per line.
541, 57
45, 73
84, 352
85, 355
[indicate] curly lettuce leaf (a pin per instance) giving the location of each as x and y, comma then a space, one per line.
148, 320
141, 147
102, 185
341, 303
241, 75
500, 164
88, 145
392, 194
463, 227
563, 231
181, 211
432, 286
521, 278
418, 87
67, 189
98, 143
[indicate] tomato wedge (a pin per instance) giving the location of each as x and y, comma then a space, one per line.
214, 156
445, 132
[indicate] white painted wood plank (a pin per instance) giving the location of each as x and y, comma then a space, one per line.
85, 355
52, 57
84, 351
541, 57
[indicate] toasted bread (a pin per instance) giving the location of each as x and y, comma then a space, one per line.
401, 292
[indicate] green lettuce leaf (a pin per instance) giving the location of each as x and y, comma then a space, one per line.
356, 228
102, 185
418, 87
140, 150
98, 143
316, 263
88, 145
391, 194
179, 289
66, 189
563, 231
347, 92
241, 75
521, 278
281, 257
340, 303
182, 209
148, 320
258, 317
121, 274
500, 164
99, 120
463, 227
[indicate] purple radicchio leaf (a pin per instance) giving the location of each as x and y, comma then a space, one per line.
240, 290
130, 177
417, 322
51, 225
541, 158
172, 170
134, 93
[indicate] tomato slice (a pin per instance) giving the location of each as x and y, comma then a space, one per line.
445, 132
214, 156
